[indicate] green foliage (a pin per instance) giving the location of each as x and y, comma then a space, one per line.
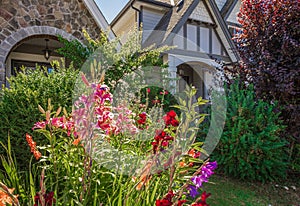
269, 48
77, 178
118, 60
19, 104
76, 51
250, 146
9, 175
156, 96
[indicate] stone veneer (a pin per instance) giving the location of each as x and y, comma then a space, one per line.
20, 19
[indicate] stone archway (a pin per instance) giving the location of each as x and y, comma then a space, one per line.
11, 41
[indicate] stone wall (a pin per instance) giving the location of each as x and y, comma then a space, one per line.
68, 15
20, 19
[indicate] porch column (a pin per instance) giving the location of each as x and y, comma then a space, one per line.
172, 75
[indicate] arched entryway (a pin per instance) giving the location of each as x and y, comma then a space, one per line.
26, 47
38, 49
198, 74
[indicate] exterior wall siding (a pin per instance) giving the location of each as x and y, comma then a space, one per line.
150, 20
201, 14
220, 4
232, 18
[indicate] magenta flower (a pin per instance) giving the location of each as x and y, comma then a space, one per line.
58, 122
198, 180
40, 125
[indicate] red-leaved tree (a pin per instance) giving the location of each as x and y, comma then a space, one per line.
269, 49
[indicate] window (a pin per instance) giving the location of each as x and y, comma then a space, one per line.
199, 36
178, 39
29, 65
191, 37
204, 39
216, 45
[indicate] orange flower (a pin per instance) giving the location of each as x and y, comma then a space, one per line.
145, 176
76, 141
182, 164
32, 146
6, 196
193, 153
37, 154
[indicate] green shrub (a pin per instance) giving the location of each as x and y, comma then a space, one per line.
250, 146
156, 96
19, 104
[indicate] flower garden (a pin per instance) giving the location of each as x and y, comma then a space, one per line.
73, 137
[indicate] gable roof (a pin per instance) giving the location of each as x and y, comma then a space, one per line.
228, 7
171, 23
98, 17
221, 3
231, 48
130, 4
177, 16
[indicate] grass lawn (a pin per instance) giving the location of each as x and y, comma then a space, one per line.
230, 192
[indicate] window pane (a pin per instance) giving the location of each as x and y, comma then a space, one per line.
191, 37
204, 39
178, 39
216, 45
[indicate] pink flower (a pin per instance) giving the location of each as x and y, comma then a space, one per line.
155, 101
165, 92
40, 125
58, 122
124, 121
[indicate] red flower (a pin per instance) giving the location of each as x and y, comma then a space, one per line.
155, 101
170, 119
166, 201
202, 202
164, 92
142, 118
46, 198
180, 202
193, 153
172, 113
161, 139
163, 203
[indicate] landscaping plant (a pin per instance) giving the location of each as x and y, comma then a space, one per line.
119, 60
269, 47
18, 104
85, 160
250, 146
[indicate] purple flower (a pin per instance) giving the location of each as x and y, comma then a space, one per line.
206, 172
193, 191
198, 180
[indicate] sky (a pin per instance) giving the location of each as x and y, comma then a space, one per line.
110, 8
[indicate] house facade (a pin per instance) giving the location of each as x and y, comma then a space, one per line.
201, 30
29, 30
